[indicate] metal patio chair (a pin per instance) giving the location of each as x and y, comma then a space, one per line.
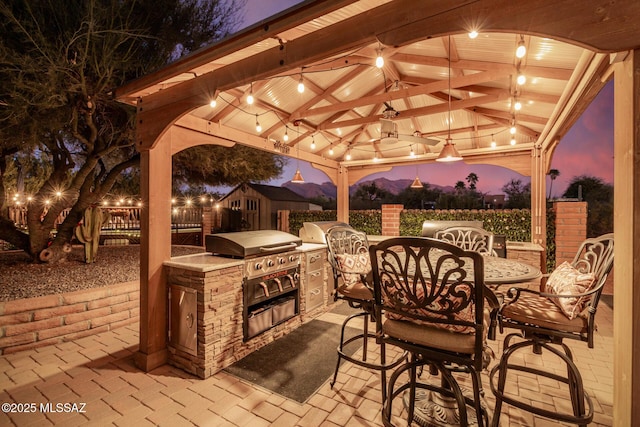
348, 254
432, 295
565, 310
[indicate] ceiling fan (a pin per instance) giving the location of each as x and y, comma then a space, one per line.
389, 130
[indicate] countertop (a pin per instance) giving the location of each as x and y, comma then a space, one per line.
205, 262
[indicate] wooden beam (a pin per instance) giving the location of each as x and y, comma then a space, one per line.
436, 86
422, 111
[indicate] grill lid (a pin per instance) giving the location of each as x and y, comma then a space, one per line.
244, 244
314, 232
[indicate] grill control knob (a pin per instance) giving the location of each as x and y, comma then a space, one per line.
258, 266
292, 258
270, 263
281, 260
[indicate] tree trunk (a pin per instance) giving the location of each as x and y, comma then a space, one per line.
9, 233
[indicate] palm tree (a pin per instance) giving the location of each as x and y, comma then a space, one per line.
459, 187
553, 174
472, 179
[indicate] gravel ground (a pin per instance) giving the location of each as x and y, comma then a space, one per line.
20, 278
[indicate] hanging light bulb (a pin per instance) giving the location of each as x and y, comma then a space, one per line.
517, 105
493, 142
449, 152
512, 130
521, 50
348, 156
286, 134
379, 59
375, 158
412, 153
258, 127
521, 79
301, 84
330, 150
313, 142
213, 103
297, 177
513, 141
250, 96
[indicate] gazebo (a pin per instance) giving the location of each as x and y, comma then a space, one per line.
356, 87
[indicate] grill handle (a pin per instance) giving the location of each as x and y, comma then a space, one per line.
278, 248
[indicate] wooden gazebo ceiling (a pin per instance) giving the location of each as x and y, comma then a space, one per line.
432, 85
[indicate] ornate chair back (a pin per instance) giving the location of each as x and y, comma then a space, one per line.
469, 238
348, 251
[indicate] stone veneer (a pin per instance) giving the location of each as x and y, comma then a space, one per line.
219, 319
36, 322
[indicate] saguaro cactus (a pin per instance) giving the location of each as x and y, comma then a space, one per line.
88, 232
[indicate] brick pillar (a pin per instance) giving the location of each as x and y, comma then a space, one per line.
207, 221
391, 219
571, 229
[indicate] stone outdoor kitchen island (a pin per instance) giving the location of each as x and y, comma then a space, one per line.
210, 317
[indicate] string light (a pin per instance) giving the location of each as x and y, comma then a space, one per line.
517, 105
512, 129
258, 127
473, 34
379, 59
213, 103
513, 141
522, 79
521, 50
250, 96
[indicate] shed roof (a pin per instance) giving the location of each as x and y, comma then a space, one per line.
280, 194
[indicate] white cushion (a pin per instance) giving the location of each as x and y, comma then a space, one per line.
566, 280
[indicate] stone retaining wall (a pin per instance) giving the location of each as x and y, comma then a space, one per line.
36, 322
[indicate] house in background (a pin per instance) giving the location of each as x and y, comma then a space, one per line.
494, 201
256, 206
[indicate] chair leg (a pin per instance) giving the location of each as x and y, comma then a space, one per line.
581, 403
342, 343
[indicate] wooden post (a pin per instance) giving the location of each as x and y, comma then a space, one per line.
626, 220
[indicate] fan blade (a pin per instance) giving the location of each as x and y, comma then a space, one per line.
418, 140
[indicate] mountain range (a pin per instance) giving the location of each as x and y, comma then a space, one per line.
328, 190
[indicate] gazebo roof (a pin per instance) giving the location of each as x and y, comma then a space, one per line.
433, 86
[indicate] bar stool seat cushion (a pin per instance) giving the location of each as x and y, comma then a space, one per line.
357, 290
540, 311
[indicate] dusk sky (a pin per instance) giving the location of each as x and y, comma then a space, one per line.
587, 149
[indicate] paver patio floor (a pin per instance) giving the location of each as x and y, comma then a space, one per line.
99, 371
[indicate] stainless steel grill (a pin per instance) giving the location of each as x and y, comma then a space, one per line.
314, 232
271, 274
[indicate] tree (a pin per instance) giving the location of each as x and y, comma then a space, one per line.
460, 187
59, 68
370, 196
519, 194
472, 179
553, 174
599, 198
420, 198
